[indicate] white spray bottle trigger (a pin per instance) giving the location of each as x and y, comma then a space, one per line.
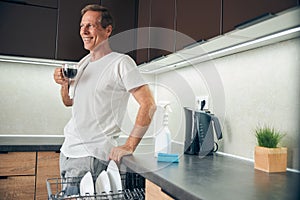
165, 105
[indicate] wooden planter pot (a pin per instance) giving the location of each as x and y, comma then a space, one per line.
270, 159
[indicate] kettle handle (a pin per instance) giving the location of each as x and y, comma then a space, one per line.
217, 147
217, 127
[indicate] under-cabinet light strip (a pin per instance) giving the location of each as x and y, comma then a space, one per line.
34, 61
227, 49
259, 40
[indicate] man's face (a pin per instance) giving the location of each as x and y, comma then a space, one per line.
91, 31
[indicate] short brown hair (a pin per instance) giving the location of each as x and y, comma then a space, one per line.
106, 18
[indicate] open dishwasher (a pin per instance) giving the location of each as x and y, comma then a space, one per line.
133, 189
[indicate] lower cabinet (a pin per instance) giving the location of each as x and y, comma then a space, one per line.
154, 192
17, 163
23, 175
17, 187
17, 175
47, 167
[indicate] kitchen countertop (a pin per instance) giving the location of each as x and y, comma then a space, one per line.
212, 177
215, 177
27, 143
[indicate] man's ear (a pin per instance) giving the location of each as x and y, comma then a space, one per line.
108, 30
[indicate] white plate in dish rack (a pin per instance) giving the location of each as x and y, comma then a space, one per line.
87, 185
114, 177
103, 183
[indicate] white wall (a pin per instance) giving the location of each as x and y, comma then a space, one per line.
30, 100
248, 89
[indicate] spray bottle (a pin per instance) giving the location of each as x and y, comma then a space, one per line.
163, 137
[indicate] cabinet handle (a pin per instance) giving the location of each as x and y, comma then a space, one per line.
254, 20
3, 177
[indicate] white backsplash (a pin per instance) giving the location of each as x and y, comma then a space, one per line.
31, 104
248, 89
30, 100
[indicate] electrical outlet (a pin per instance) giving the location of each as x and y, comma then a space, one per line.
200, 99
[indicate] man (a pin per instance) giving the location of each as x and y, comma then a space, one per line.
98, 96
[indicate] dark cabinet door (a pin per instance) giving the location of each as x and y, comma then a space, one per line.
236, 12
69, 43
197, 19
27, 30
177, 23
162, 40
143, 37
124, 14
159, 39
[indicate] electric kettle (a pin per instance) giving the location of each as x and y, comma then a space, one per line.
199, 136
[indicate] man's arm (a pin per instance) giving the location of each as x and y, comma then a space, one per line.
59, 79
145, 113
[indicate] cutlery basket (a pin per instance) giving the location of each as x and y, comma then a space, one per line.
133, 189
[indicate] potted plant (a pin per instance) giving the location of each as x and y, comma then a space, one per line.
268, 156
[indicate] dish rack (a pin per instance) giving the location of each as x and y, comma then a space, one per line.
133, 189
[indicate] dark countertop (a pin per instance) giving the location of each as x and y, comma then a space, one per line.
215, 177
212, 177
9, 143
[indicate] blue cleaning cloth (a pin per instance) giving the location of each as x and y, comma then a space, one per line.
166, 157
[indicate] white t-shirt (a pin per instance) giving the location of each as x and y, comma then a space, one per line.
100, 98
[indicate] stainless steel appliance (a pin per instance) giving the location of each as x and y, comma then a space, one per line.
199, 134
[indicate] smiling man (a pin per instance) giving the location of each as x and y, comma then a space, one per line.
95, 28
99, 96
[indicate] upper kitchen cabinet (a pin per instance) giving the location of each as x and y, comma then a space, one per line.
236, 12
175, 24
28, 28
159, 40
197, 20
142, 53
162, 40
69, 43
124, 14
42, 28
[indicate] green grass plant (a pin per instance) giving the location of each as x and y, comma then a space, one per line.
268, 137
